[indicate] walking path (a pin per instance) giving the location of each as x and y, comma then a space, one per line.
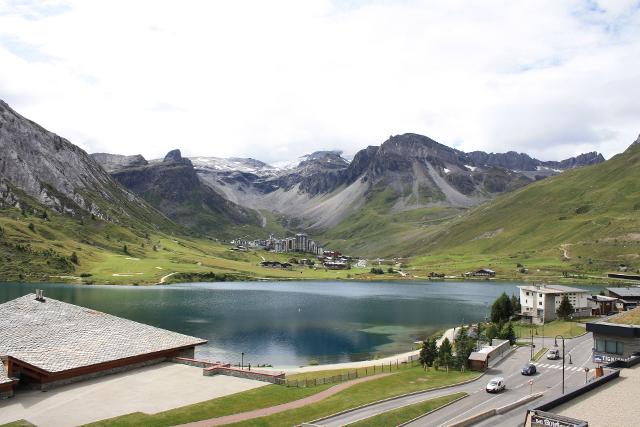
162, 280
400, 358
243, 416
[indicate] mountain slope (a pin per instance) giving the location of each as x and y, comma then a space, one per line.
173, 187
326, 194
60, 176
586, 219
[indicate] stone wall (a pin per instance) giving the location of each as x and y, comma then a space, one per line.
250, 375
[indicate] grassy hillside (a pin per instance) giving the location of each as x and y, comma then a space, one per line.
584, 221
35, 246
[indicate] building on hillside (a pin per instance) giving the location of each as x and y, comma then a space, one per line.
540, 302
602, 305
483, 272
629, 296
617, 338
47, 343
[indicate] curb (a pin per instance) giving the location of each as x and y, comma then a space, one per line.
388, 399
431, 412
495, 411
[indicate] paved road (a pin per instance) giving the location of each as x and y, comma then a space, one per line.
547, 380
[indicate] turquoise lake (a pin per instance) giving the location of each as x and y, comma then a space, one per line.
290, 323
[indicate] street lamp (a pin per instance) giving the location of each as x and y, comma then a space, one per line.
586, 371
242, 361
555, 340
532, 346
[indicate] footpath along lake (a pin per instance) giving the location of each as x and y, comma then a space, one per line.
290, 323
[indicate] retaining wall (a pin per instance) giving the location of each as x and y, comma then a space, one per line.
216, 368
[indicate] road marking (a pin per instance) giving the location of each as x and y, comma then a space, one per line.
466, 412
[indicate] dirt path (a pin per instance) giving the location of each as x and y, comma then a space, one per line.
164, 278
565, 252
243, 416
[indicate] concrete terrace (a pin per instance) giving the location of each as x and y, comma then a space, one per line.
151, 390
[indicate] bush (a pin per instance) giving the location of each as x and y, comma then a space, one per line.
376, 270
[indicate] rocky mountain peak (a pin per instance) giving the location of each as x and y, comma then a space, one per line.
173, 156
112, 162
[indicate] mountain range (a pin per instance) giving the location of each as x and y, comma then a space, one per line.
407, 172
408, 196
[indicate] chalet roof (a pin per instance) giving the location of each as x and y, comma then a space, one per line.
56, 336
479, 355
630, 291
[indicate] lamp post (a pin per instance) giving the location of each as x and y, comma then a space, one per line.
242, 360
586, 371
531, 358
555, 340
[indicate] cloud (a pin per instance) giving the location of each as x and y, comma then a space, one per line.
276, 80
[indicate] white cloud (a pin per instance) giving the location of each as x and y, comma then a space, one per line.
274, 80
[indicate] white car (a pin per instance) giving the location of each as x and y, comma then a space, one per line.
496, 385
553, 354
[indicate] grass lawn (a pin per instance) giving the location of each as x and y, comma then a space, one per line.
539, 354
631, 317
262, 397
19, 423
405, 381
566, 328
407, 413
361, 372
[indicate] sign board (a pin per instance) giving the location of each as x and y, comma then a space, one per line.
606, 358
546, 419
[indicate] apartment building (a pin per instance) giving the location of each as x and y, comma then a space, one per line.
540, 303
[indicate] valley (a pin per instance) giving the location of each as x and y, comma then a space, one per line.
116, 219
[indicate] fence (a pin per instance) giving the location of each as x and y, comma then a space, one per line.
352, 374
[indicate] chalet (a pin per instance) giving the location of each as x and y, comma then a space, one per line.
45, 343
483, 272
602, 305
629, 296
337, 265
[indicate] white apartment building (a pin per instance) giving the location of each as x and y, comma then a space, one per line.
540, 302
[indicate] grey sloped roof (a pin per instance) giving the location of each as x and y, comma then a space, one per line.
56, 336
631, 291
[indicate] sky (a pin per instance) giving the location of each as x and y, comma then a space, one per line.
274, 80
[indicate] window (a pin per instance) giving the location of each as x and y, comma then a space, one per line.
611, 347
539, 302
540, 295
527, 293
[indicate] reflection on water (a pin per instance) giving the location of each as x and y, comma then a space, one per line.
289, 323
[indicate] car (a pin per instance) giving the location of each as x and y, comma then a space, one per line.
553, 354
496, 385
529, 369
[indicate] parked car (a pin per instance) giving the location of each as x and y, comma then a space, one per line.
553, 354
496, 385
529, 369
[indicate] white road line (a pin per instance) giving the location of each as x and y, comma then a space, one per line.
466, 412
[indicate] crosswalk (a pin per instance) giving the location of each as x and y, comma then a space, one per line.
554, 366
